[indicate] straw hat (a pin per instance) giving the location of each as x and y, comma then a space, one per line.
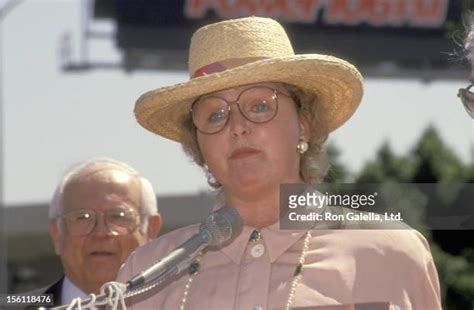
244, 51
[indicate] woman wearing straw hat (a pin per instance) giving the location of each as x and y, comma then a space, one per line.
254, 116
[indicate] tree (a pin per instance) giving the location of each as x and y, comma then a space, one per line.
386, 167
435, 162
337, 173
432, 161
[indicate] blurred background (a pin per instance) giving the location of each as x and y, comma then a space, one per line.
71, 70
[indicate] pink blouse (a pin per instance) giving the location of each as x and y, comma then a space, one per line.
341, 267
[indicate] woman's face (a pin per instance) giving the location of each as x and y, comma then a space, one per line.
250, 158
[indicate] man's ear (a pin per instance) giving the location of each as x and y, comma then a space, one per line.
154, 226
55, 236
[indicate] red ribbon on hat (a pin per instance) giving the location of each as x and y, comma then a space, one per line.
224, 65
208, 69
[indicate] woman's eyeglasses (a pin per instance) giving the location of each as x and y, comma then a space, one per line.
120, 220
257, 104
467, 98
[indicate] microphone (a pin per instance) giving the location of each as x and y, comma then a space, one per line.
218, 228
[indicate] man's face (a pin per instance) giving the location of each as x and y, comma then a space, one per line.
93, 259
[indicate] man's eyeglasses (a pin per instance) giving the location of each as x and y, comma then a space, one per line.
120, 220
257, 104
467, 98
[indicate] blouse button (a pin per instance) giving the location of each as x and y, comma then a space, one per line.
257, 250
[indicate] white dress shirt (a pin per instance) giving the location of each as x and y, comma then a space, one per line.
70, 291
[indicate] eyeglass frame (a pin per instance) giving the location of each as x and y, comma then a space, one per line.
464, 99
138, 216
274, 96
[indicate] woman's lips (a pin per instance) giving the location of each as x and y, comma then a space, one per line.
243, 152
101, 253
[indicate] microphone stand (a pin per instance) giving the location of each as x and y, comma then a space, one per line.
218, 228
163, 270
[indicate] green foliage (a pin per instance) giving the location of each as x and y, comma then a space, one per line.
434, 161
429, 161
337, 172
470, 170
456, 274
386, 167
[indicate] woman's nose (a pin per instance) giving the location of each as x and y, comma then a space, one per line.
238, 124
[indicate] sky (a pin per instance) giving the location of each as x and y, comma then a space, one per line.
53, 119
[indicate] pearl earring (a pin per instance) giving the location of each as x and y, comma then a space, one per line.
302, 147
211, 179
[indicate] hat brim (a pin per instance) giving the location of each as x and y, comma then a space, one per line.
337, 84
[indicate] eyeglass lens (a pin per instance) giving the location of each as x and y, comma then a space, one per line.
467, 98
118, 220
257, 104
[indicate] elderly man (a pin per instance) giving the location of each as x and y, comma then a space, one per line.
101, 211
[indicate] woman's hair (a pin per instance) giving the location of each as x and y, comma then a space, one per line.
313, 165
469, 40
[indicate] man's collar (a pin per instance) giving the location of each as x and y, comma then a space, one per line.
70, 291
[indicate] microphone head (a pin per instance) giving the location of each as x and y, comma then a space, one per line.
222, 225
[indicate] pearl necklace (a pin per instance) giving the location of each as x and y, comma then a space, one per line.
194, 269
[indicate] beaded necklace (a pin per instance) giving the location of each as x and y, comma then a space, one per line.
256, 235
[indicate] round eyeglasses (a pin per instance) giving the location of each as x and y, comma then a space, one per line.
258, 104
120, 220
467, 98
